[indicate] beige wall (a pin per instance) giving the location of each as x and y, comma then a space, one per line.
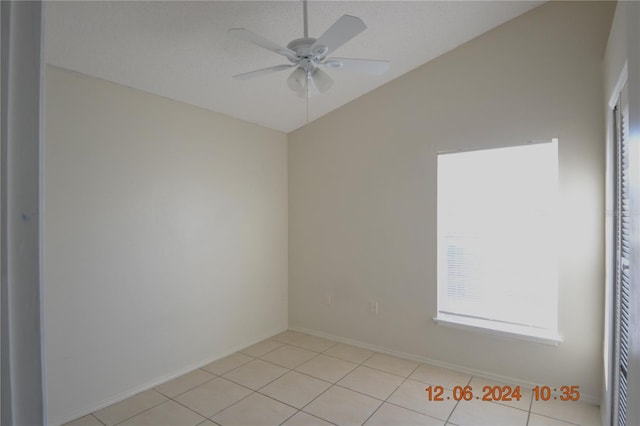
615, 58
362, 194
165, 239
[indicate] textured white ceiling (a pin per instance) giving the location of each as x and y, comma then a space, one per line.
181, 49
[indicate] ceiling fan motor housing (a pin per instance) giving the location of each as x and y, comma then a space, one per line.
305, 50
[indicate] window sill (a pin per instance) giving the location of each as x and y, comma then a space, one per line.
509, 331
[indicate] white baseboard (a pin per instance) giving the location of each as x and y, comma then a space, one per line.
160, 380
590, 399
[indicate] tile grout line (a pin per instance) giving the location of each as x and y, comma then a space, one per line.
391, 393
174, 400
374, 412
456, 404
528, 411
144, 411
260, 393
215, 376
557, 419
422, 383
362, 364
192, 410
297, 410
310, 359
229, 406
502, 403
530, 406
99, 421
303, 362
287, 419
219, 411
220, 375
252, 391
332, 385
403, 382
271, 350
412, 410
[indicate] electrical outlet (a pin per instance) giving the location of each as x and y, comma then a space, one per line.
328, 299
373, 307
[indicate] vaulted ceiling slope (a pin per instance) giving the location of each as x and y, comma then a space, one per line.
181, 50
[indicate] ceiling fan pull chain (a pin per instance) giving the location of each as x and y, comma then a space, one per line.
307, 97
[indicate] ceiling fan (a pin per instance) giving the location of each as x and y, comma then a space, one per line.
307, 55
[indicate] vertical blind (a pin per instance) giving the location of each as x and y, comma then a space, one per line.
623, 255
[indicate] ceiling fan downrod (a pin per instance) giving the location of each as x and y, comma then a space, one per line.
305, 19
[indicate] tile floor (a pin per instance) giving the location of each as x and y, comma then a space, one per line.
297, 379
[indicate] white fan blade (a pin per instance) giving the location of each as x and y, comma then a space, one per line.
258, 40
343, 30
321, 80
364, 66
261, 72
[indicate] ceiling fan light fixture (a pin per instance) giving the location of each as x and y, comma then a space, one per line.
297, 81
322, 80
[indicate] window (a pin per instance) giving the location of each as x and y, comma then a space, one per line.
497, 240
